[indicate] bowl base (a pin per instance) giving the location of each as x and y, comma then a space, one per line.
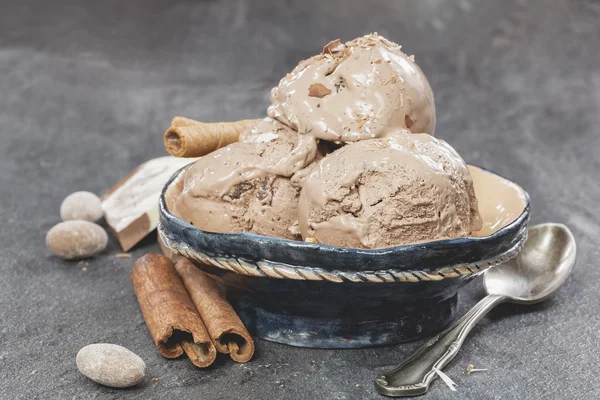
401, 323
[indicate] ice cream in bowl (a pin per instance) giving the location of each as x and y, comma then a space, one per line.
339, 220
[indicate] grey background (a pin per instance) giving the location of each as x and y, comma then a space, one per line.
87, 89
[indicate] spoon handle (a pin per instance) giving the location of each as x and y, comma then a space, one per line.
413, 376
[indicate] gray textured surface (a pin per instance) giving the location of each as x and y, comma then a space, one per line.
86, 91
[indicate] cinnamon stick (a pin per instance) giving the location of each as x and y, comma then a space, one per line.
173, 321
227, 331
189, 138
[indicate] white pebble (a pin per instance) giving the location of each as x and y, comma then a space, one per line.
73, 240
111, 365
81, 205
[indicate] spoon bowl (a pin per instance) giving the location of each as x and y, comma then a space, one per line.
540, 268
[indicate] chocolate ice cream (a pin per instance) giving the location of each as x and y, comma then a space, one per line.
248, 186
345, 158
363, 89
401, 189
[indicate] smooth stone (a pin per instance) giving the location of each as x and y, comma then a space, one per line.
111, 365
74, 240
81, 206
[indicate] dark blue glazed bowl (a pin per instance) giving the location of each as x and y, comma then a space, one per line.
313, 295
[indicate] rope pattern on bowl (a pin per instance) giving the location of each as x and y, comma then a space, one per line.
265, 268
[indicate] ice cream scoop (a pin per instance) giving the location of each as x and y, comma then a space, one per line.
248, 186
404, 188
363, 89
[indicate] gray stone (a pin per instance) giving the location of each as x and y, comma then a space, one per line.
111, 365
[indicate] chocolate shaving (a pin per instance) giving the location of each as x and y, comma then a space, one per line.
407, 121
265, 192
339, 85
335, 46
237, 191
393, 79
361, 122
318, 90
378, 61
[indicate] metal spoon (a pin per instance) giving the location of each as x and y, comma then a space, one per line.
534, 275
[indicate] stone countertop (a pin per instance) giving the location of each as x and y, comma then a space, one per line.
88, 88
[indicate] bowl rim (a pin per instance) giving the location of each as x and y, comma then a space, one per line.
510, 236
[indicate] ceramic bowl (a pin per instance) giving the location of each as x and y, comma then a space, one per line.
313, 295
